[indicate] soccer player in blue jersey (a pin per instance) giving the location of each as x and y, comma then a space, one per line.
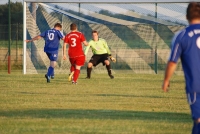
52, 38
186, 46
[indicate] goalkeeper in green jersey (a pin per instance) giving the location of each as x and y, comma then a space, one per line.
101, 54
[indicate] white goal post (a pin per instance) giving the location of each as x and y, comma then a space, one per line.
83, 2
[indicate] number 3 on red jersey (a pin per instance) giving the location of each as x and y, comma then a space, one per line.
73, 42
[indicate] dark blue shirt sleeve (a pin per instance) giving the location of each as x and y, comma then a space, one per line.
176, 48
60, 34
43, 34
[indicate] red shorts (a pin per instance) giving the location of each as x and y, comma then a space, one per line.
79, 61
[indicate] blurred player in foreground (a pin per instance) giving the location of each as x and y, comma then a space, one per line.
76, 55
52, 41
101, 54
186, 46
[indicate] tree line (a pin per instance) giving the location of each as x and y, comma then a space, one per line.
16, 11
16, 20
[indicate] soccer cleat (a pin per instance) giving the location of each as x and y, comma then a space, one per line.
111, 76
74, 83
52, 77
70, 78
48, 78
87, 77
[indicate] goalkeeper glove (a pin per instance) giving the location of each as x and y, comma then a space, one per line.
112, 59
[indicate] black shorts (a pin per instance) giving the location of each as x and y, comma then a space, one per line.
96, 59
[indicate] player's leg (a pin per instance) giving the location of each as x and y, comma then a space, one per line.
53, 65
106, 62
50, 71
76, 74
93, 62
79, 62
89, 70
108, 67
194, 101
71, 74
72, 69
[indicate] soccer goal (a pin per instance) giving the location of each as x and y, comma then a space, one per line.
138, 32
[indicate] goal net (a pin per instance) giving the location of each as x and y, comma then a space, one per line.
138, 34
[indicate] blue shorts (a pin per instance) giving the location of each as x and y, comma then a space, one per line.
194, 101
52, 56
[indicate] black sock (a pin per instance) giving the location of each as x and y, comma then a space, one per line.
89, 70
108, 69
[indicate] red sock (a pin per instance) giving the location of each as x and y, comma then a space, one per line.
72, 68
76, 74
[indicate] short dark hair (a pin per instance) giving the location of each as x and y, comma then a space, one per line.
94, 31
73, 26
58, 25
193, 11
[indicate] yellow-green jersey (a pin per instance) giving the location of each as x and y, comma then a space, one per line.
98, 47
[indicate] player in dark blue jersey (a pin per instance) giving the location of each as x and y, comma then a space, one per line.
186, 46
52, 38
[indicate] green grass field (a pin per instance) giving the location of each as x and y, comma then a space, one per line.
128, 104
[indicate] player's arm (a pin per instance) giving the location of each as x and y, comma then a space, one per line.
107, 48
171, 66
109, 53
176, 51
85, 43
35, 38
64, 47
64, 51
86, 48
62, 36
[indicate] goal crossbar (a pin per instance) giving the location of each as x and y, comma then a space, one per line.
112, 1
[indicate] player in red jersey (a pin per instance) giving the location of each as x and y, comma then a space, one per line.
76, 55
